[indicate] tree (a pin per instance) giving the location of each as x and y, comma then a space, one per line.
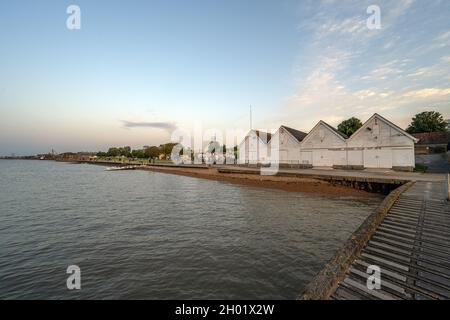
113, 152
124, 151
166, 149
349, 126
152, 152
427, 121
138, 154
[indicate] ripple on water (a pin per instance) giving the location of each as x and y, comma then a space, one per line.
144, 235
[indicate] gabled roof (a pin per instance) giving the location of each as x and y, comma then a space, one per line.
331, 128
264, 135
343, 135
376, 115
297, 134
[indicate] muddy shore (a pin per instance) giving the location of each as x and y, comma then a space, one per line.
291, 184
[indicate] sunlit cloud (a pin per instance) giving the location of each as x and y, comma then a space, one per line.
353, 71
428, 92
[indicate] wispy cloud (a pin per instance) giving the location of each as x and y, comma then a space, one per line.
349, 70
169, 126
428, 92
444, 36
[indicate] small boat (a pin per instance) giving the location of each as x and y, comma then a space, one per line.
120, 168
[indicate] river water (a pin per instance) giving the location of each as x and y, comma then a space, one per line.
147, 235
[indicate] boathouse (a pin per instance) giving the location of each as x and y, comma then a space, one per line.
284, 146
254, 149
324, 146
379, 143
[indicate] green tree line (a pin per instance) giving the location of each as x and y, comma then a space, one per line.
145, 153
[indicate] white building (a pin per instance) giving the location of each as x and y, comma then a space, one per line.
284, 146
381, 144
377, 144
324, 146
254, 148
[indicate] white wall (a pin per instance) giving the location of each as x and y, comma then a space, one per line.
321, 137
403, 157
306, 157
253, 150
384, 146
355, 157
378, 158
284, 148
325, 147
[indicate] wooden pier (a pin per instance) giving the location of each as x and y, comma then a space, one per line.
411, 247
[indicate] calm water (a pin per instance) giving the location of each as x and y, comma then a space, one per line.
144, 235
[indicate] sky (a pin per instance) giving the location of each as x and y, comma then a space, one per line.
137, 70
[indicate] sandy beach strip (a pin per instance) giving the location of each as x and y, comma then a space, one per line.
291, 184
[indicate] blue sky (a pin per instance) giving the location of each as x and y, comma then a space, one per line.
138, 69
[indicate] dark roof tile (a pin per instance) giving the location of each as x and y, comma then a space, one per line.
299, 135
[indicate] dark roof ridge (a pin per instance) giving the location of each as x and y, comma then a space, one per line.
297, 134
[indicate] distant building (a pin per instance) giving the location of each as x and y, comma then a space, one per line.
432, 142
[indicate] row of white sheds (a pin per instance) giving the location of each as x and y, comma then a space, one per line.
377, 144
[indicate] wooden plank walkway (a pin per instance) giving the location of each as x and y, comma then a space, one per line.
412, 248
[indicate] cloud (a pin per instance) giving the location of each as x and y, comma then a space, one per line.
420, 72
350, 26
446, 59
169, 126
382, 72
444, 36
347, 70
428, 92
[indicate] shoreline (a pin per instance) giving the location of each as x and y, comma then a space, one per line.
289, 184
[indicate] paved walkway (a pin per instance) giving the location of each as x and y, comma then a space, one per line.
412, 248
367, 173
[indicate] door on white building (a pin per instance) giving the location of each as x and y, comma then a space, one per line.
355, 158
378, 158
322, 158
